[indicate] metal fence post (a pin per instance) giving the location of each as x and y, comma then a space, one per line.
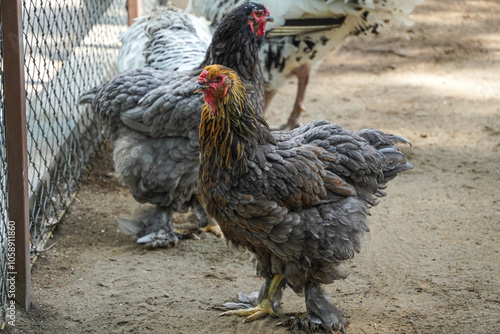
16, 141
134, 8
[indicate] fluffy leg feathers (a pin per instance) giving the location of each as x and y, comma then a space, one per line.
151, 226
321, 316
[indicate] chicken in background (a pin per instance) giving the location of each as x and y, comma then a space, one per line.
298, 200
305, 31
152, 118
167, 39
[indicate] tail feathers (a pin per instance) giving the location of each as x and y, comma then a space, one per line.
379, 139
384, 143
397, 163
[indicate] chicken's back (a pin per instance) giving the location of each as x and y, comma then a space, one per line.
167, 39
149, 101
152, 118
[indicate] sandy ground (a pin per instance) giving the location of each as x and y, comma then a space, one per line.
431, 263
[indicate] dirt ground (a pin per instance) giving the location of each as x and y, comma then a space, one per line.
431, 262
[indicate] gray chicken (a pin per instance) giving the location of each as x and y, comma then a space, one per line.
152, 118
297, 200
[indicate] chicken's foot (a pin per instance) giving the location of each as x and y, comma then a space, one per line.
212, 227
153, 227
200, 213
165, 238
321, 316
253, 313
265, 305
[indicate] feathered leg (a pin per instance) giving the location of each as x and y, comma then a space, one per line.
321, 315
269, 299
152, 227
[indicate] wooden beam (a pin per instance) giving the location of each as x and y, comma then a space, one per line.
134, 8
16, 144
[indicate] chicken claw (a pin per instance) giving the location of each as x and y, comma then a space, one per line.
265, 306
212, 227
253, 313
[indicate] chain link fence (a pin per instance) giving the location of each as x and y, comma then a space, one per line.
70, 46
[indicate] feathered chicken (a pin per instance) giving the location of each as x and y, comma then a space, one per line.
305, 31
297, 200
168, 40
152, 118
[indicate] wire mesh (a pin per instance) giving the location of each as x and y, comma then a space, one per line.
70, 46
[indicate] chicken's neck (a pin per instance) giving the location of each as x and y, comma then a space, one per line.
232, 134
236, 49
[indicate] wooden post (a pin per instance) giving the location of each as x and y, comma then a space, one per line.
17, 160
134, 8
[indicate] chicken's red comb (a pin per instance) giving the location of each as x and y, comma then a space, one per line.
204, 74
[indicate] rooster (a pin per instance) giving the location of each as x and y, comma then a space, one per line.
305, 31
297, 200
152, 118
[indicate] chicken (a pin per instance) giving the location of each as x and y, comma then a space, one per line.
168, 40
305, 31
152, 118
298, 200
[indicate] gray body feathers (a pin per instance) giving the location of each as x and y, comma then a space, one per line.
301, 204
152, 117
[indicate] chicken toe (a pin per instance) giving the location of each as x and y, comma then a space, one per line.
202, 218
212, 227
253, 313
270, 292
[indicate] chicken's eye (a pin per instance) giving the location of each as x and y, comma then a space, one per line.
258, 14
217, 78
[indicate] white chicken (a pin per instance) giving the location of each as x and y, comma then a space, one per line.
167, 39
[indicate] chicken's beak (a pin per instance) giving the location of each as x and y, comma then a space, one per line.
199, 88
270, 18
